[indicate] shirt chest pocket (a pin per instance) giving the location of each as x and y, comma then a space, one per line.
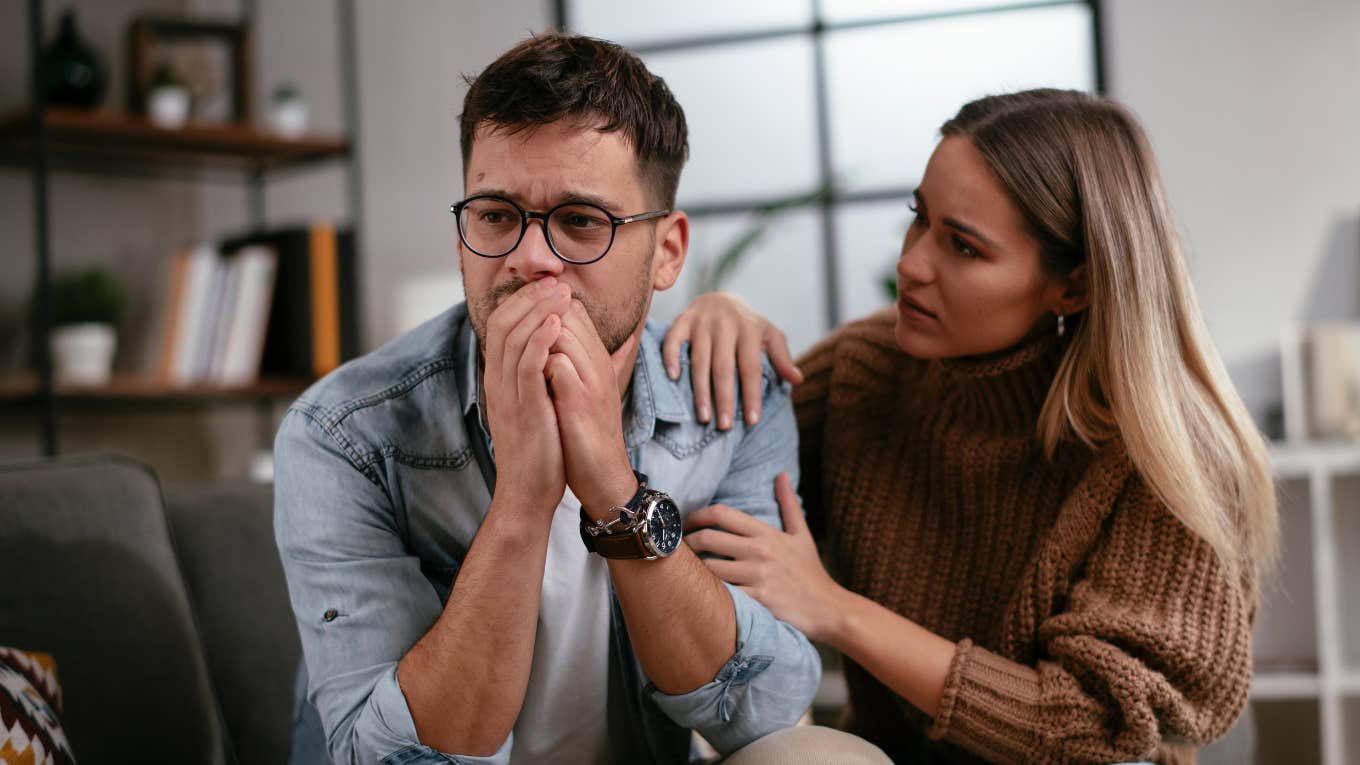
688, 462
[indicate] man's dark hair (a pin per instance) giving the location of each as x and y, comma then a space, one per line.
596, 83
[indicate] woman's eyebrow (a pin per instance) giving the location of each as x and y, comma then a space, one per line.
954, 223
969, 230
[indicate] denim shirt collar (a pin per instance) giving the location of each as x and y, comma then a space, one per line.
653, 395
465, 362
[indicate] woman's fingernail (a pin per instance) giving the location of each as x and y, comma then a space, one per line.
673, 373
724, 421
752, 417
703, 413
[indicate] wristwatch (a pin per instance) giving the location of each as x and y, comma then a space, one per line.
646, 528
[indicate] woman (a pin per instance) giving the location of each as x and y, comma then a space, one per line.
1043, 505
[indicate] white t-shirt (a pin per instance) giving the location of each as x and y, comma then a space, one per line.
563, 719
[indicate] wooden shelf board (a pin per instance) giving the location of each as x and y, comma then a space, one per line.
137, 389
75, 136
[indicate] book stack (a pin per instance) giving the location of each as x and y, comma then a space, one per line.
278, 303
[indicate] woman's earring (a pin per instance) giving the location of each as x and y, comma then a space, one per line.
1061, 329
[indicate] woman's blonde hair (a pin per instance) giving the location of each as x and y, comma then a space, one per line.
1140, 364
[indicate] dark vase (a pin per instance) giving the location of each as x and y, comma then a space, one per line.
73, 72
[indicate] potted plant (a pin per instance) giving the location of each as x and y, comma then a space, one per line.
86, 307
168, 101
288, 111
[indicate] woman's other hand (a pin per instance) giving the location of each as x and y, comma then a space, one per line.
726, 337
781, 569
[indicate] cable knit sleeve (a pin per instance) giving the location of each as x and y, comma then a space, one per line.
1149, 656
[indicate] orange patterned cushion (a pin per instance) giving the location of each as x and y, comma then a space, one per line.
30, 709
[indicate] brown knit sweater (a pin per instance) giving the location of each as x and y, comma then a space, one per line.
1091, 625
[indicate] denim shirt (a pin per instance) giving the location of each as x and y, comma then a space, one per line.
383, 476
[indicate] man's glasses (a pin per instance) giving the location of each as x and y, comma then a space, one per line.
577, 232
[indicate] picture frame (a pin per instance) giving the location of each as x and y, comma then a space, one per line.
210, 57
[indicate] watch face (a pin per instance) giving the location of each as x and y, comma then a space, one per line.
663, 526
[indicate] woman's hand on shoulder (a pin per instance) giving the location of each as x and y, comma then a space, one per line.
726, 337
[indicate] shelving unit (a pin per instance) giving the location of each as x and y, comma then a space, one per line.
1307, 617
45, 140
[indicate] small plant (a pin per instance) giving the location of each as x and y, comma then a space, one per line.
712, 274
164, 77
286, 92
888, 280
90, 295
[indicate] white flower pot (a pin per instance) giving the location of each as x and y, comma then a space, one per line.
82, 354
168, 106
289, 117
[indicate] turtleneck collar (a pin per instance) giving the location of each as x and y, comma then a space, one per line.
1002, 392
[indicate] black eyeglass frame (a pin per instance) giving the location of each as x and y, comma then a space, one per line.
542, 217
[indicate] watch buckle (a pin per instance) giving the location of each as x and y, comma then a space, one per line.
625, 517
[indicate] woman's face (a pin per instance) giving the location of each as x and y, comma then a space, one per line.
969, 280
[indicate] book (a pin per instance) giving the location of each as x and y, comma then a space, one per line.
225, 283
173, 312
195, 313
313, 323
239, 361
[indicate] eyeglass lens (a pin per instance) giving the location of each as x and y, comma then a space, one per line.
492, 227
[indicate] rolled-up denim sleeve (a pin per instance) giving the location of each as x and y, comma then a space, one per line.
770, 681
359, 597
766, 686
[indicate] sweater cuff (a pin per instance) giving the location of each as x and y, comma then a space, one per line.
990, 705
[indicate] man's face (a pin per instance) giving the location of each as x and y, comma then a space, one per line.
545, 167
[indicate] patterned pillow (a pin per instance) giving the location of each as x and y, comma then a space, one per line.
30, 705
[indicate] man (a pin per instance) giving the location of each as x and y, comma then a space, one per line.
477, 570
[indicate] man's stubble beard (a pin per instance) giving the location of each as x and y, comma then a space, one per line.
614, 325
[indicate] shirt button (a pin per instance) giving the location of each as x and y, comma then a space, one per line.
330, 615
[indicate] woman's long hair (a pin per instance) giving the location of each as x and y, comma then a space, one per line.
1140, 365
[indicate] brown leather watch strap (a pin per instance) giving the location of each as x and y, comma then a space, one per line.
620, 546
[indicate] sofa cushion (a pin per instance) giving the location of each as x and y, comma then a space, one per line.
224, 536
30, 710
102, 593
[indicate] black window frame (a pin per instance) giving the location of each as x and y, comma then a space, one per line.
835, 197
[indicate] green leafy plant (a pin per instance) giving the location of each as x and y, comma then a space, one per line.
714, 273
888, 278
286, 92
90, 295
164, 77
889, 282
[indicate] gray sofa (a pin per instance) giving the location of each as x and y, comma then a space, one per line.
166, 612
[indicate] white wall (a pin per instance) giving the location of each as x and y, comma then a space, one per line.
413, 56
1253, 107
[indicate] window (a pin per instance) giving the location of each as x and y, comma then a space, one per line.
786, 98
